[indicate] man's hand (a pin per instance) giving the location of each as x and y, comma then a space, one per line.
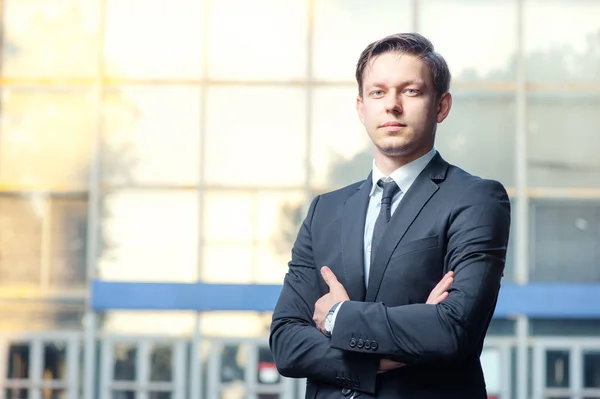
437, 295
337, 293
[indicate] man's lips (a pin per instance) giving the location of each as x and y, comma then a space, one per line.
393, 126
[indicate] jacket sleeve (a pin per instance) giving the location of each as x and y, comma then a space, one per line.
477, 239
299, 349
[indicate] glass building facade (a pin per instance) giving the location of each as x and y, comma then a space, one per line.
181, 141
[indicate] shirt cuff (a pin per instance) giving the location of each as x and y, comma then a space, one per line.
335, 312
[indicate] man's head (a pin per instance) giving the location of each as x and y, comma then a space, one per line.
402, 95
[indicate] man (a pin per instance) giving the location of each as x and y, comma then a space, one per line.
363, 325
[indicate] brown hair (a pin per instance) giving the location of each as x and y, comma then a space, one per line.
408, 43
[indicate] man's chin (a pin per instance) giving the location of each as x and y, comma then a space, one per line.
393, 150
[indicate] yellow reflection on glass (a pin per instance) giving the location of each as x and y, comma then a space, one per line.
56, 38
343, 28
152, 135
46, 139
149, 236
258, 39
154, 38
256, 136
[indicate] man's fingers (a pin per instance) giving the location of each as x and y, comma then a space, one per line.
438, 294
329, 276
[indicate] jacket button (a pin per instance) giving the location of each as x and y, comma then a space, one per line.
360, 344
367, 344
352, 342
374, 345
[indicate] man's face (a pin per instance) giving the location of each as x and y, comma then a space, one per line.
399, 106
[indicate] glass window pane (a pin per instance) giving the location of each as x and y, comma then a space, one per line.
68, 221
46, 139
149, 236
343, 28
258, 249
125, 362
479, 135
448, 24
235, 324
563, 140
16, 393
21, 240
49, 39
161, 363
123, 394
55, 361
591, 370
151, 135
266, 136
160, 395
341, 151
566, 233
557, 369
18, 361
562, 39
257, 39
166, 36
228, 263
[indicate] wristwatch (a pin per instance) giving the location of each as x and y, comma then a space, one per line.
328, 322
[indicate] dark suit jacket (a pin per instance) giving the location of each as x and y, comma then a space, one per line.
448, 220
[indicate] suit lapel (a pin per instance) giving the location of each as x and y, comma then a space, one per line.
409, 208
353, 230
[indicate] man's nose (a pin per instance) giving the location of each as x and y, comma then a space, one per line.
393, 104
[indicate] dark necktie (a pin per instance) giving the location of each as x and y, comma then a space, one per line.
390, 188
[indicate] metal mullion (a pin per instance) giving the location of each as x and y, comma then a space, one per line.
36, 354
72, 380
142, 374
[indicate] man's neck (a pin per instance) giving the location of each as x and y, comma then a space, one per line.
388, 164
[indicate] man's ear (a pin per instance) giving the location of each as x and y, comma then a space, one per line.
444, 106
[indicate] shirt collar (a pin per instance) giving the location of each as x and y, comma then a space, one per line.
405, 175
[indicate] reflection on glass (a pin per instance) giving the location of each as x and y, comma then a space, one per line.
20, 241
16, 393
562, 40
558, 159
125, 367
262, 143
557, 369
46, 139
566, 233
341, 152
233, 362
167, 38
48, 393
449, 23
160, 395
479, 135
342, 31
243, 46
161, 363
149, 235
55, 361
591, 370
151, 135
49, 39
18, 361
68, 221
123, 395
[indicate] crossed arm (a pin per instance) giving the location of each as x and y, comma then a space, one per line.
412, 334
